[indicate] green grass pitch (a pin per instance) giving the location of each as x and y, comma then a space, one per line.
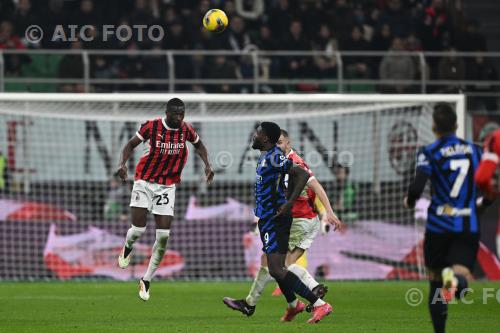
197, 307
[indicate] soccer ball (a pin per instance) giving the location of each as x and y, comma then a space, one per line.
215, 20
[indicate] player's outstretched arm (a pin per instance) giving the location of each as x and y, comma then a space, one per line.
329, 215
201, 151
298, 181
125, 155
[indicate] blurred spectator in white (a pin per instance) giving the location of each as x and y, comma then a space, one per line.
249, 9
397, 67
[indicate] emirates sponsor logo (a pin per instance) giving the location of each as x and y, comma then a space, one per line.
170, 148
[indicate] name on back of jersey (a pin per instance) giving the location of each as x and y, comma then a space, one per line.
457, 149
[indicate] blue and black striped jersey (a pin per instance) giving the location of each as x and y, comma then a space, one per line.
450, 164
269, 183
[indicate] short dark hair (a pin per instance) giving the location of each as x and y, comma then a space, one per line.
284, 133
175, 104
272, 130
445, 118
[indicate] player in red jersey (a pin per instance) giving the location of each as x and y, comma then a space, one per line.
156, 174
487, 167
305, 227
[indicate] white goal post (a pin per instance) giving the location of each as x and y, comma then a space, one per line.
63, 215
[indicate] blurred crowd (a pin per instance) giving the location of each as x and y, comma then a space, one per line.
296, 25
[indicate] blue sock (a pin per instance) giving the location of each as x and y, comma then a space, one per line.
293, 283
287, 292
462, 285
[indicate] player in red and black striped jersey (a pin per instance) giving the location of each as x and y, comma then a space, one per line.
156, 174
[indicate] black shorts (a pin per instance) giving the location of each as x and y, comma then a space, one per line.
274, 233
448, 249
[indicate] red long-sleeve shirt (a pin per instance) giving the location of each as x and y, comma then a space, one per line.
487, 167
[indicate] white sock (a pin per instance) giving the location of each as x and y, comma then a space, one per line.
293, 304
303, 275
159, 249
133, 234
258, 285
319, 302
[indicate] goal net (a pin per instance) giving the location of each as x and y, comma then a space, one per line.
63, 214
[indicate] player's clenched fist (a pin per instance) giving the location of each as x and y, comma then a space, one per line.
122, 172
209, 175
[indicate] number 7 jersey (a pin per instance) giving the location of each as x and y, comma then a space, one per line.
450, 164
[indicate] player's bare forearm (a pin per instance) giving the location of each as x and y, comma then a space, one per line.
202, 152
315, 185
328, 216
125, 155
299, 180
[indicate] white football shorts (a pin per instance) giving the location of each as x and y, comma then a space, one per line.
303, 232
156, 198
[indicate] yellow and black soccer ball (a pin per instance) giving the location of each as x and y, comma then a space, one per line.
215, 20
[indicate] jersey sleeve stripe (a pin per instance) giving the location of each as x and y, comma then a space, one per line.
139, 136
488, 156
